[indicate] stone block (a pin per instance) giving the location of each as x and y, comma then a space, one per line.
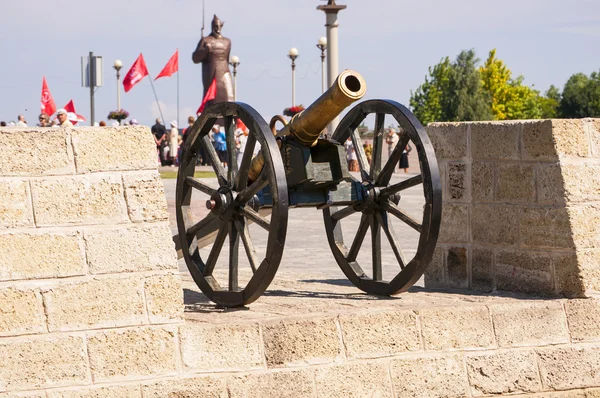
35, 151
530, 324
482, 269
593, 127
449, 140
43, 363
503, 373
433, 377
455, 224
482, 181
435, 274
567, 368
538, 141
459, 327
95, 304
591, 393
585, 225
89, 199
502, 231
101, 392
130, 249
221, 347
550, 184
145, 195
571, 274
119, 354
527, 272
515, 183
360, 380
110, 148
495, 140
39, 255
39, 394
570, 138
458, 182
21, 312
457, 267
205, 387
583, 319
581, 182
164, 297
380, 334
301, 342
15, 204
543, 227
588, 270
272, 385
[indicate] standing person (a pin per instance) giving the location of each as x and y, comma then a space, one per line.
368, 147
21, 121
63, 118
184, 134
173, 143
159, 132
241, 137
351, 155
44, 120
404, 157
220, 144
391, 140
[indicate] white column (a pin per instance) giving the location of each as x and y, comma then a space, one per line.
332, 58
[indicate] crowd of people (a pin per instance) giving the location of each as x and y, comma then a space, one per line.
391, 139
60, 120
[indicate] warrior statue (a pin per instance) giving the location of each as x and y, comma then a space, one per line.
213, 51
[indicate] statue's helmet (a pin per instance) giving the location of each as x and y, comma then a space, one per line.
216, 22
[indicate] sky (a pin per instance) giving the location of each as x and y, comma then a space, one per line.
390, 42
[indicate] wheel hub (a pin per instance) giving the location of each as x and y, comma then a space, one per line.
221, 203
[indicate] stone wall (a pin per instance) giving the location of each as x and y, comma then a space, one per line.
521, 206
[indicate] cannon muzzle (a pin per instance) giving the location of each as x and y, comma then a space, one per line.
307, 125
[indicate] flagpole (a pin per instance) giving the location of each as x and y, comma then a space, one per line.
178, 88
157, 103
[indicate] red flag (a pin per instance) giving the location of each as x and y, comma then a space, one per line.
137, 72
171, 67
72, 114
48, 105
211, 94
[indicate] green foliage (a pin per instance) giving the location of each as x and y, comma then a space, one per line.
426, 101
581, 96
549, 103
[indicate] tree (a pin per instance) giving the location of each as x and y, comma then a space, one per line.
549, 103
581, 96
426, 101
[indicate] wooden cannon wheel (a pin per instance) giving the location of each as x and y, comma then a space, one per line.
380, 205
233, 206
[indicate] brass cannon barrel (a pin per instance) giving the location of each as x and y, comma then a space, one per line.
307, 125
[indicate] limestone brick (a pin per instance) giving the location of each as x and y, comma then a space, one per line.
145, 196
43, 363
449, 139
95, 304
528, 324
110, 148
38, 255
482, 181
39, 394
296, 342
482, 269
538, 142
570, 138
35, 151
581, 182
435, 275
501, 231
572, 274
460, 327
380, 334
131, 391
515, 183
164, 297
119, 354
589, 271
592, 393
458, 184
15, 204
585, 225
503, 372
456, 267
545, 227
455, 223
564, 368
130, 249
21, 311
594, 131
205, 387
360, 380
294, 384
495, 140
221, 347
522, 271
583, 319
550, 184
90, 199
434, 377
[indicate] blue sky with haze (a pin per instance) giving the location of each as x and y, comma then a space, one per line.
391, 42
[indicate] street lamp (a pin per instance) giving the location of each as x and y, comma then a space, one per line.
235, 61
293, 54
117, 66
322, 45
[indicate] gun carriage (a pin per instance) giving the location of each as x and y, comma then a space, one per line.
295, 168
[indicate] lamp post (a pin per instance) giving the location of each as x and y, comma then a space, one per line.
293, 54
322, 45
117, 66
235, 61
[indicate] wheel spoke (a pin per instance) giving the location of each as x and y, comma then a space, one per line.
363, 164
242, 176
345, 212
358, 239
402, 185
242, 228
234, 244
386, 173
247, 193
392, 238
211, 153
377, 146
231, 151
376, 247
392, 208
215, 251
254, 216
203, 227
199, 185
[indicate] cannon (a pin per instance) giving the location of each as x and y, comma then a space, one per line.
295, 168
